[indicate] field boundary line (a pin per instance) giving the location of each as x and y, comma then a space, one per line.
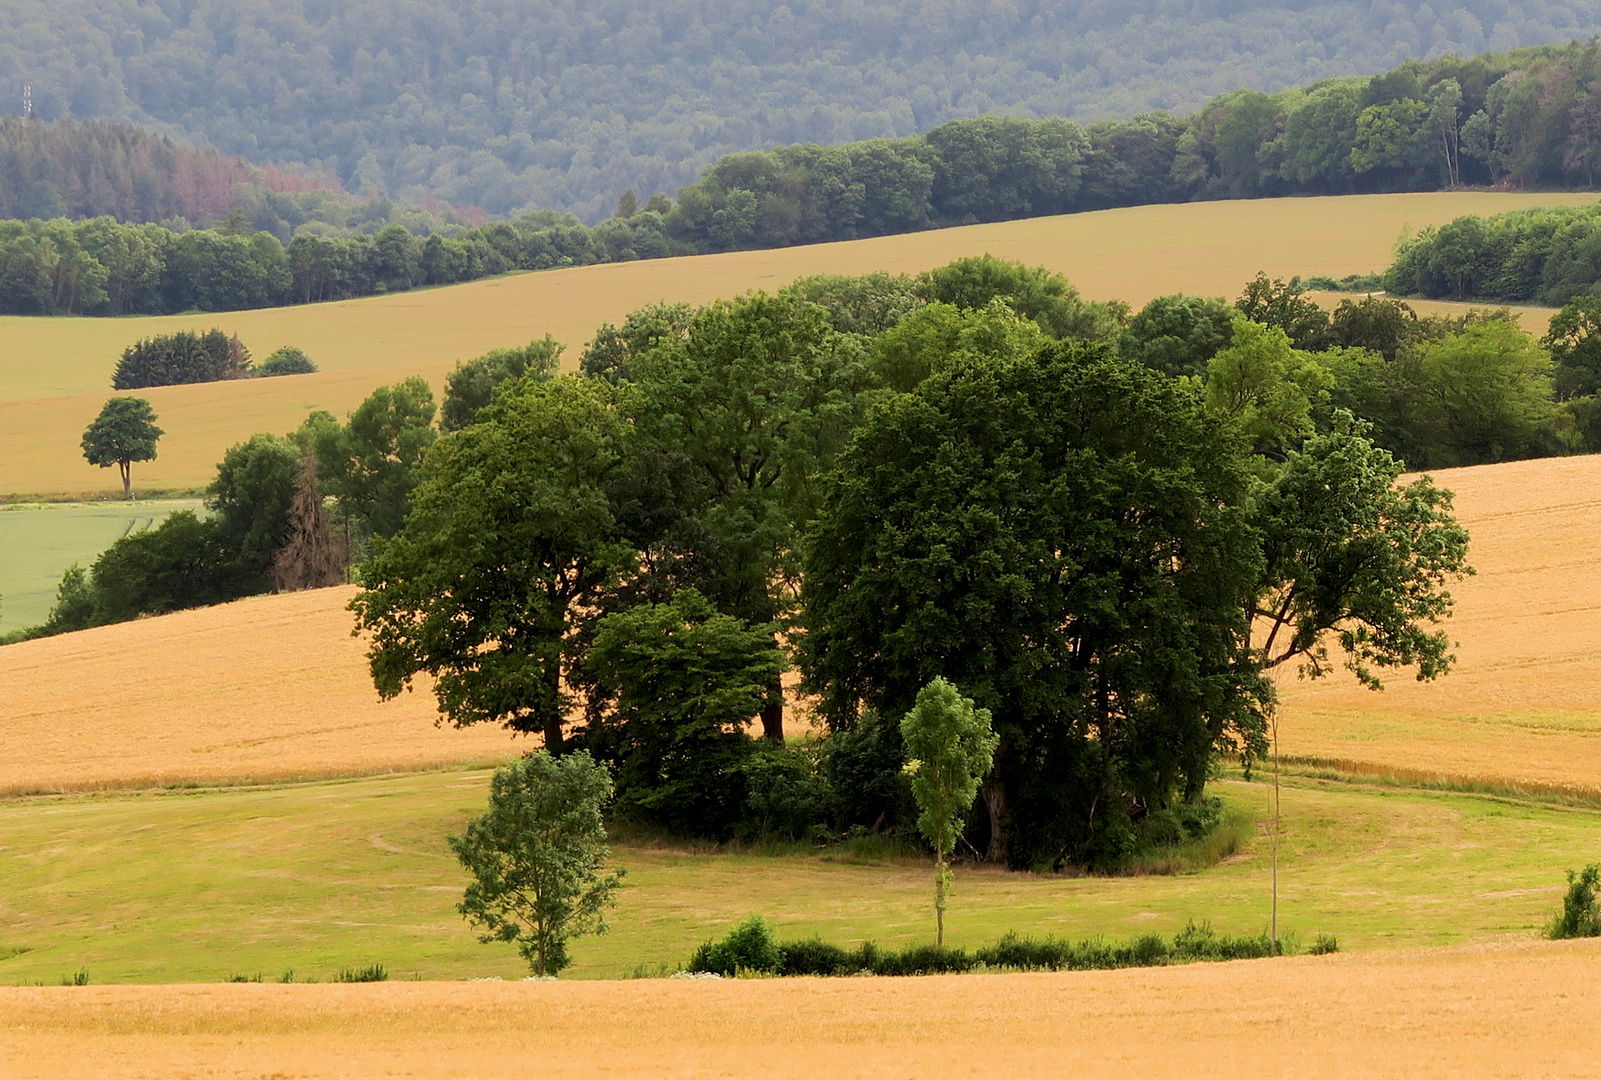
164, 785
1354, 771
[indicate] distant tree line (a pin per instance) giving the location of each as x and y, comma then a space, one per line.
552, 103
1517, 119
187, 357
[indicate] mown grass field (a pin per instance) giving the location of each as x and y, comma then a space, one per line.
55, 373
1525, 1010
41, 541
202, 885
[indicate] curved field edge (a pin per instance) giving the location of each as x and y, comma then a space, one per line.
200, 886
53, 372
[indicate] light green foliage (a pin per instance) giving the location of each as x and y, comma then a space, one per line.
124, 432
1033, 291
1575, 343
936, 336
1487, 395
865, 305
373, 461
1266, 386
1349, 554
473, 384
950, 746
510, 539
676, 685
538, 857
749, 947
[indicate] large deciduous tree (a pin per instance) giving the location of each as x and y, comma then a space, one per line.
754, 398
511, 539
124, 432
1063, 537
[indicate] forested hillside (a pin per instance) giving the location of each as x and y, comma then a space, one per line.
553, 104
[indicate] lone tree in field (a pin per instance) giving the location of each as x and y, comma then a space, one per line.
315, 554
124, 432
950, 745
537, 856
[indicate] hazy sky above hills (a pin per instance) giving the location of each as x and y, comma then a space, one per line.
510, 103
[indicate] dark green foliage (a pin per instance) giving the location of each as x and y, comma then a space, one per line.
1061, 537
286, 361
250, 500
368, 974
1580, 917
1285, 306
75, 604
675, 686
1323, 945
179, 358
123, 433
750, 946
182, 563
472, 384
865, 305
78, 978
1178, 334
1576, 348
610, 356
787, 795
537, 857
1013, 952
510, 542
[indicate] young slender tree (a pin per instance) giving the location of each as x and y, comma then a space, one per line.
124, 432
537, 857
950, 745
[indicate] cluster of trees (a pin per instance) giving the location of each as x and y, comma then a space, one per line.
1544, 256
1425, 125
884, 481
187, 357
556, 104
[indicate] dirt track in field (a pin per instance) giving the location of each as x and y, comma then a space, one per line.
1524, 1010
271, 687
1524, 702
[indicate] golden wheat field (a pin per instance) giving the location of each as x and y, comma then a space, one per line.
1524, 1010
268, 688
275, 686
1524, 703
55, 373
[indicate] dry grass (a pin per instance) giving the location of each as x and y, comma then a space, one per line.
272, 687
1524, 703
1519, 1010
53, 372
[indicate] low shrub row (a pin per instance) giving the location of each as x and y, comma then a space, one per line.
752, 948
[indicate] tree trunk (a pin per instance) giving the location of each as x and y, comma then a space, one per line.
554, 741
773, 712
995, 802
126, 468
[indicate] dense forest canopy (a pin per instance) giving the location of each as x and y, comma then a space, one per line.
511, 104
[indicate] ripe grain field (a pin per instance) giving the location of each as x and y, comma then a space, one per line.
1522, 1010
267, 688
1524, 703
54, 373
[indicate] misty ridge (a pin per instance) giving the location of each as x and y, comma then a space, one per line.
511, 106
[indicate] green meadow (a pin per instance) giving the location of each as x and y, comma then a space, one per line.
40, 540
204, 885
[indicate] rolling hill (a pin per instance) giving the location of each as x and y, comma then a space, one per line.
53, 371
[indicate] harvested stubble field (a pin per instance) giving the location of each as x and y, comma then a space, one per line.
1524, 703
1524, 1010
267, 688
54, 372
